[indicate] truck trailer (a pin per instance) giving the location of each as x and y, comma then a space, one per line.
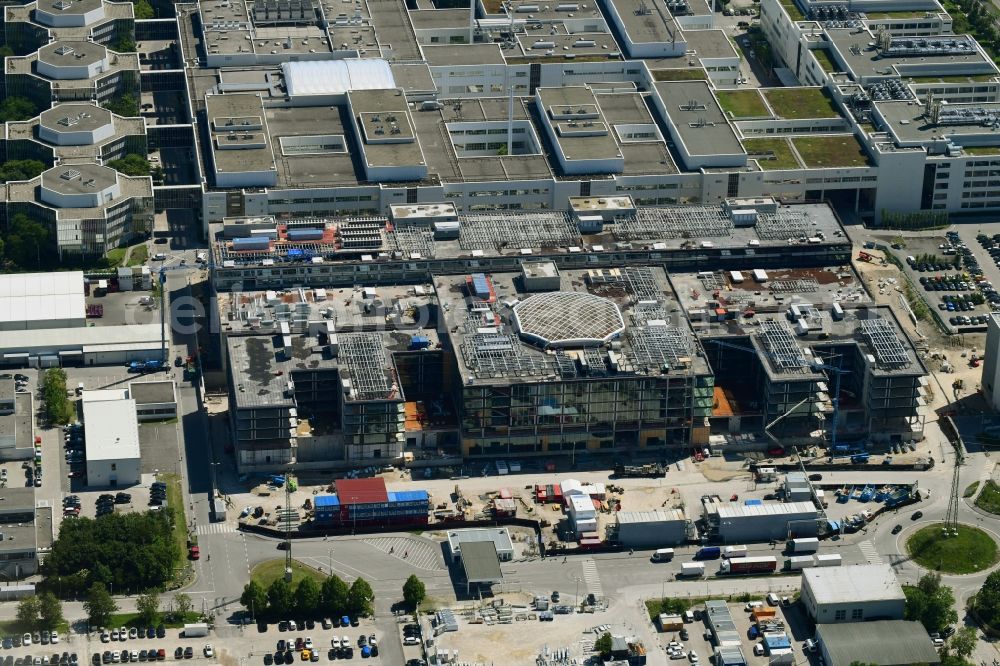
829, 560
806, 545
749, 565
800, 562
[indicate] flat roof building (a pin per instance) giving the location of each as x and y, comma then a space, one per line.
498, 536
853, 593
882, 642
113, 458
30, 301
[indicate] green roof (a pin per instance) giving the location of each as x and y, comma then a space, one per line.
480, 562
796, 103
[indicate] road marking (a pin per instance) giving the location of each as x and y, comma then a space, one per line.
216, 528
870, 553
418, 553
592, 578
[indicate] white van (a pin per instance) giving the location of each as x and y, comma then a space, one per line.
772, 599
663, 555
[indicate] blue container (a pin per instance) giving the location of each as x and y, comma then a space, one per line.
420, 342
252, 243
306, 233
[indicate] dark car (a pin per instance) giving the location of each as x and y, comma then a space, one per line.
179, 653
123, 498
106, 657
897, 529
125, 655
815, 477
289, 657
282, 645
917, 515
161, 631
310, 624
268, 659
947, 632
355, 622
150, 632
96, 659
188, 652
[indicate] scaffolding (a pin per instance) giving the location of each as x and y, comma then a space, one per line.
499, 231
782, 225
659, 344
640, 281
646, 311
412, 242
794, 286
501, 355
780, 344
712, 281
882, 339
673, 222
369, 371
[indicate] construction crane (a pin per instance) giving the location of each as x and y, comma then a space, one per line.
815, 364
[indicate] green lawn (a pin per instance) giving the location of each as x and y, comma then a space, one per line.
139, 255
972, 550
971, 490
783, 157
831, 151
175, 500
267, 572
693, 74
115, 256
677, 605
973, 78
982, 150
797, 103
825, 60
743, 104
793, 10
132, 619
989, 499
900, 14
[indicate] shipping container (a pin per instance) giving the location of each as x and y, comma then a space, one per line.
799, 562
252, 243
831, 560
749, 565
734, 551
304, 233
693, 569
837, 310
759, 275
763, 613
806, 545
735, 277
671, 623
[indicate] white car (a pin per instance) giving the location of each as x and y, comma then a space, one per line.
209, 652
411, 640
326, 621
114, 634
246, 512
309, 643
292, 626
758, 649
335, 643
26, 640
133, 655
54, 638
677, 655
693, 657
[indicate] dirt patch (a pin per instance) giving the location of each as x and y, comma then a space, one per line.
721, 471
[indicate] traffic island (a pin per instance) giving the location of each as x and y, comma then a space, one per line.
969, 550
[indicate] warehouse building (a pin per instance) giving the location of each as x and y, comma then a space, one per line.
16, 422
112, 439
30, 301
739, 523
500, 537
852, 594
154, 401
722, 625
865, 642
363, 502
651, 529
18, 537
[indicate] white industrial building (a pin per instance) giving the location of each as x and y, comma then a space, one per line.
651, 529
500, 537
89, 345
797, 487
738, 523
154, 401
582, 513
112, 433
991, 362
30, 301
852, 594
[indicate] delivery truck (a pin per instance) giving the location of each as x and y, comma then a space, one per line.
734, 551
807, 545
708, 553
195, 630
744, 566
692, 569
831, 560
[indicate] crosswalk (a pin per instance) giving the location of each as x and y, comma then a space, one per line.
870, 553
592, 578
415, 552
216, 528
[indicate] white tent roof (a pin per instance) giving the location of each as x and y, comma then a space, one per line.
335, 77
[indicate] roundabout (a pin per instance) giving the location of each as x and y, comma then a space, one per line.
971, 551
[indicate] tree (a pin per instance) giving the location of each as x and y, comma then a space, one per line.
124, 45
414, 591
280, 598
254, 598
27, 612
931, 603
143, 10
17, 108
50, 610
963, 643
602, 645
334, 596
148, 606
20, 170
307, 597
131, 165
182, 605
360, 597
27, 241
58, 408
99, 606
123, 106
987, 602
6, 52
